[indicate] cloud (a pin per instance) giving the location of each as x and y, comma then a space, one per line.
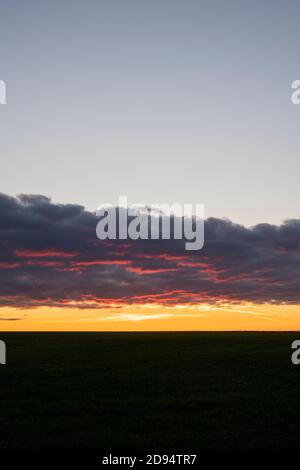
50, 256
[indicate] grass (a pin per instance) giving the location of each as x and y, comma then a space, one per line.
149, 391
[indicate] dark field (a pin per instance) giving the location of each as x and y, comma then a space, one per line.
149, 391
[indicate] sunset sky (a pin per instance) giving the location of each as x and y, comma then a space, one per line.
165, 101
56, 274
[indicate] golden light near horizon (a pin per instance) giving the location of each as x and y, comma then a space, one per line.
150, 317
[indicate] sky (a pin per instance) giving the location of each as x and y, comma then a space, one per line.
164, 101
55, 273
168, 101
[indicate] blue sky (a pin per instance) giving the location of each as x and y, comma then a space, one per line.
164, 101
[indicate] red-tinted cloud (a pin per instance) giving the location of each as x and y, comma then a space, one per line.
50, 255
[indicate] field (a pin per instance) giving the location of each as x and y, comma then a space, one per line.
149, 391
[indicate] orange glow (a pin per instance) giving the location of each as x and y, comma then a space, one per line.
153, 317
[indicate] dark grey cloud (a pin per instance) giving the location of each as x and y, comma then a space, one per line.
50, 256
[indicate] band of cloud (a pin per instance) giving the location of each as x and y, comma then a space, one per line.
50, 256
